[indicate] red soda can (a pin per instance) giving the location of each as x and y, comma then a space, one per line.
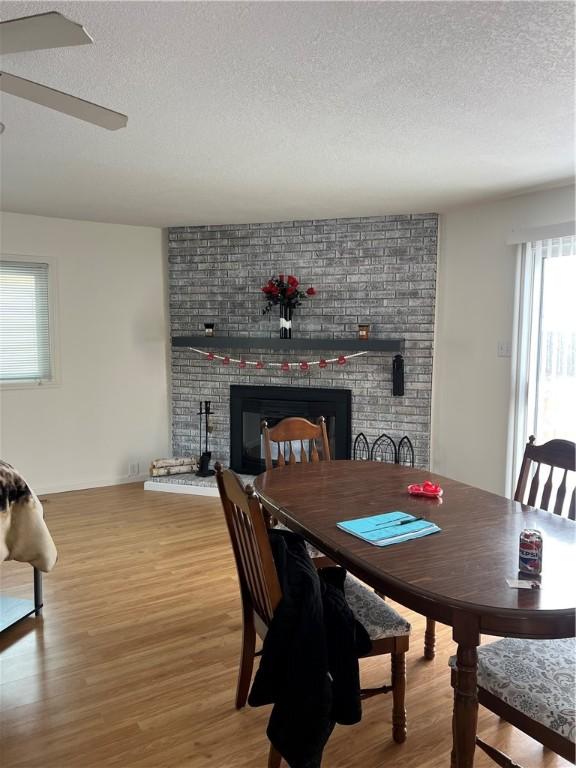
530, 560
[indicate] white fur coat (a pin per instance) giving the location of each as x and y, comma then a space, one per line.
24, 535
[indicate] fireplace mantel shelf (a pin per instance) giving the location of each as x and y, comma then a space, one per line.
266, 342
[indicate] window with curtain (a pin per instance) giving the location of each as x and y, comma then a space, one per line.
546, 356
25, 348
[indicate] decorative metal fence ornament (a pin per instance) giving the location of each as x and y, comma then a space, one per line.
384, 449
405, 454
361, 450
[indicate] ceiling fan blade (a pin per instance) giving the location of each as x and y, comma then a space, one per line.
44, 30
62, 102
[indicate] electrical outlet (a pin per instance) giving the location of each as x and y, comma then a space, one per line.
133, 469
504, 349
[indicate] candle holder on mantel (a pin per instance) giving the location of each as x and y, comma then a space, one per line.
364, 331
204, 413
209, 329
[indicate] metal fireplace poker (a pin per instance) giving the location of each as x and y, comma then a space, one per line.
205, 456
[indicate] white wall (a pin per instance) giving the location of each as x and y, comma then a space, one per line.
471, 396
111, 406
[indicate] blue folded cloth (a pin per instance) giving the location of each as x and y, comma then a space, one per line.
389, 528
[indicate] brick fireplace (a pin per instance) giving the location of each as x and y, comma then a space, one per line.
379, 270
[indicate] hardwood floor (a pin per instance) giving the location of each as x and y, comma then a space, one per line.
134, 662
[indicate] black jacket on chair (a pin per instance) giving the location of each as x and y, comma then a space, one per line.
309, 667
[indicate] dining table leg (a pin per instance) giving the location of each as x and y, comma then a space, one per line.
465, 716
430, 640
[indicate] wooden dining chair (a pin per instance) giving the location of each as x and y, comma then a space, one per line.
531, 683
295, 432
261, 592
306, 436
556, 455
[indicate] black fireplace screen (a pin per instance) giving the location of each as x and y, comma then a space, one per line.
250, 406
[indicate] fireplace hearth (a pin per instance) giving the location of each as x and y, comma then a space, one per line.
250, 405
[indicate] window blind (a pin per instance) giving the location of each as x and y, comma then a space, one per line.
24, 322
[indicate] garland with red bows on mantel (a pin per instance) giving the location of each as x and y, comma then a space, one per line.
285, 366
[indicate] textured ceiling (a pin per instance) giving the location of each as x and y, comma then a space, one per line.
266, 111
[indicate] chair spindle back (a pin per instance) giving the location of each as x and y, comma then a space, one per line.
295, 430
257, 574
555, 454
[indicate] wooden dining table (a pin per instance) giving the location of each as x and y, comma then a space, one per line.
457, 576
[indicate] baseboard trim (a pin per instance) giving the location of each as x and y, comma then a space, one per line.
87, 484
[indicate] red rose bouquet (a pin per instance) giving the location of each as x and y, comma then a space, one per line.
285, 290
